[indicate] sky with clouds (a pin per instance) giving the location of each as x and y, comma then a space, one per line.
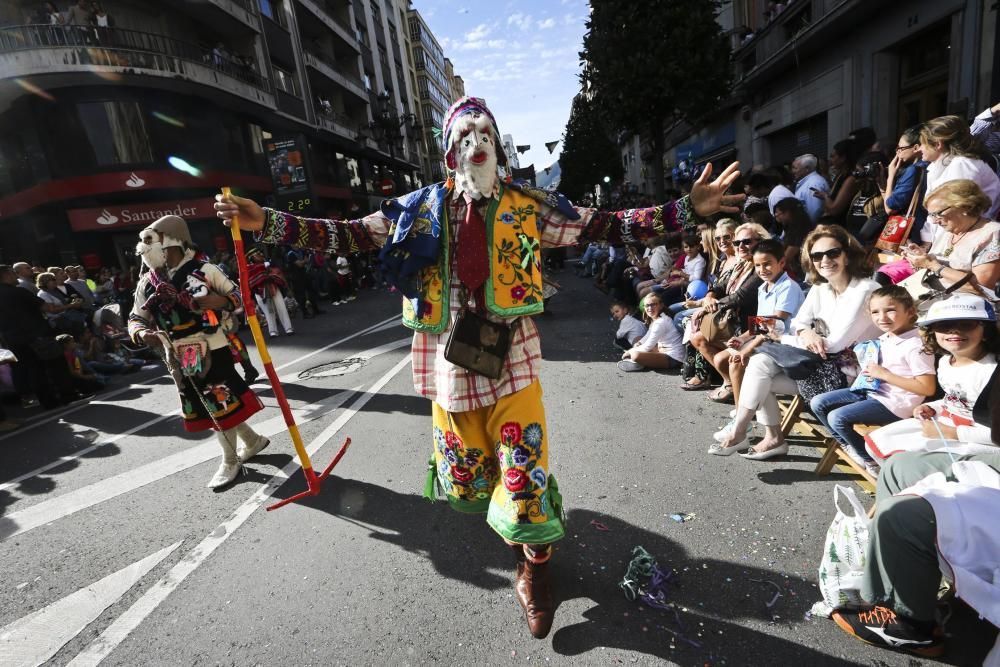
521, 56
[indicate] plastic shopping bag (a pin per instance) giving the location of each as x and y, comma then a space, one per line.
842, 566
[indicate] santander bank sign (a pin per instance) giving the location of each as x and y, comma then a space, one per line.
138, 215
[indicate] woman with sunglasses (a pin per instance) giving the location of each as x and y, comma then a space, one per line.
968, 241
741, 297
832, 319
724, 262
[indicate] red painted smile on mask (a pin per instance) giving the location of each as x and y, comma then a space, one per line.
478, 157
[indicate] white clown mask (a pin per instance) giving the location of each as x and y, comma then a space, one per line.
474, 144
152, 247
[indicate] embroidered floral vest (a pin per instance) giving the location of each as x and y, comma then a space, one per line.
514, 287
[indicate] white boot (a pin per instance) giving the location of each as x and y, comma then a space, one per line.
252, 444
230, 466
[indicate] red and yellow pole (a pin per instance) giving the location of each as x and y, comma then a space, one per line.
313, 480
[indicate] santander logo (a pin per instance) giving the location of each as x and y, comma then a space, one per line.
134, 181
106, 218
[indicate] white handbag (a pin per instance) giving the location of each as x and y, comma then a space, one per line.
842, 567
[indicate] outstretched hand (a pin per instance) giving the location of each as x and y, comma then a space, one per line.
251, 216
710, 198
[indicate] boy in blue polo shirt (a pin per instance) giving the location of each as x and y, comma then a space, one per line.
779, 297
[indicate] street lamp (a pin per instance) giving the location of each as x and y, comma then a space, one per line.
607, 179
387, 126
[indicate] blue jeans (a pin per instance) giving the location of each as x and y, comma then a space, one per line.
840, 410
678, 312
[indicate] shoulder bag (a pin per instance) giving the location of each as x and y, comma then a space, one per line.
897, 227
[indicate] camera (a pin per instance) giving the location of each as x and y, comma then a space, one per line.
870, 170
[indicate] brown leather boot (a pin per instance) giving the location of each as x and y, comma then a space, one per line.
534, 592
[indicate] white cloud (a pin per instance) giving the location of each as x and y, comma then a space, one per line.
478, 33
521, 21
570, 19
546, 24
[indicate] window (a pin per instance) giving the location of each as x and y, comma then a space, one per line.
274, 10
376, 13
117, 132
285, 81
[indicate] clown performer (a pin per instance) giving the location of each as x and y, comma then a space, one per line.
468, 250
179, 304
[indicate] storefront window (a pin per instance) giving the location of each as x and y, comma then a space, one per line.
117, 132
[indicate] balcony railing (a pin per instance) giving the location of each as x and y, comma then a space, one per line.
116, 47
329, 19
329, 70
337, 123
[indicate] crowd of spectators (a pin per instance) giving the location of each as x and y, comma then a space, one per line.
63, 329
809, 294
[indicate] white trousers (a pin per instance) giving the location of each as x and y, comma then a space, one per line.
274, 302
762, 382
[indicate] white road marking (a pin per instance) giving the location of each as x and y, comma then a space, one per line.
125, 624
388, 323
48, 511
35, 638
86, 450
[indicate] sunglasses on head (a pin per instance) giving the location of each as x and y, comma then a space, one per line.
744, 242
832, 253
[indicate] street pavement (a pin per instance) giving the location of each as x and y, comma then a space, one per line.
114, 550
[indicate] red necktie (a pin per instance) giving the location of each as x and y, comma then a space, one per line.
473, 258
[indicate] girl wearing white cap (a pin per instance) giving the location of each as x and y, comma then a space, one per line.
962, 329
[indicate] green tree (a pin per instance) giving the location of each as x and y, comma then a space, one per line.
588, 155
655, 62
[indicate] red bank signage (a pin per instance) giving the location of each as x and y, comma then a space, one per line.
138, 215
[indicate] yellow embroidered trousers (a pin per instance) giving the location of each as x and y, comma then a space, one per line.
495, 460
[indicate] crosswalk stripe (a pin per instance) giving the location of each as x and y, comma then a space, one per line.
48, 511
35, 638
123, 626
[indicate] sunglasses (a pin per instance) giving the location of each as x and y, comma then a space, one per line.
744, 242
937, 215
832, 253
726, 237
953, 325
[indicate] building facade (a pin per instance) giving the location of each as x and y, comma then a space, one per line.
807, 72
434, 90
101, 128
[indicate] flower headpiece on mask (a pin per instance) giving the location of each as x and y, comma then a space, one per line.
463, 107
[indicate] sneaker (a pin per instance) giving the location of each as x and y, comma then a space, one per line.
29, 403
854, 456
351, 298
336, 303
880, 626
250, 375
630, 366
873, 468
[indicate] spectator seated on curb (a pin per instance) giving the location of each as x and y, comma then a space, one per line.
630, 328
84, 381
661, 346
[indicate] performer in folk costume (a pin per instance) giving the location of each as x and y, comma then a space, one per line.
468, 250
179, 305
266, 284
